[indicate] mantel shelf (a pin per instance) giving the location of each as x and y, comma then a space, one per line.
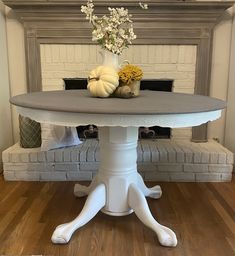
154, 6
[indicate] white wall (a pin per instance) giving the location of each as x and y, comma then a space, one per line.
5, 113
220, 70
230, 118
219, 79
17, 64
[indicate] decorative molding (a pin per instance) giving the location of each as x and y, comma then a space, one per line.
173, 22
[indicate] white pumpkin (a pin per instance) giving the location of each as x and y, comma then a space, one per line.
103, 81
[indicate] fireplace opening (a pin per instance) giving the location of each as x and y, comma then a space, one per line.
155, 132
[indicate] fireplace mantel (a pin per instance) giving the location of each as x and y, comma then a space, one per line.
165, 22
159, 11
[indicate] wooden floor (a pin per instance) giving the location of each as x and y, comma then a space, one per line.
201, 214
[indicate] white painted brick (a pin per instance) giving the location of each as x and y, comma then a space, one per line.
47, 49
163, 157
197, 157
226, 176
56, 87
36, 167
136, 57
91, 154
53, 66
165, 67
152, 54
70, 52
97, 154
154, 152
214, 156
159, 58
186, 67
27, 176
15, 166
166, 54
208, 177
61, 167
33, 157
66, 167
5, 156
9, 175
181, 176
15, 158
77, 53
52, 82
146, 167
157, 176
222, 158
62, 53
53, 176
89, 166
67, 153
205, 157
49, 167
184, 90
146, 152
220, 168
83, 154
188, 157
194, 168
143, 54
79, 175
170, 167
59, 155
191, 75
171, 153
55, 51
41, 157
230, 158
75, 155
50, 156
74, 167
24, 158
184, 83
174, 53
179, 157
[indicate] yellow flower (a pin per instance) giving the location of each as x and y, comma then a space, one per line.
130, 73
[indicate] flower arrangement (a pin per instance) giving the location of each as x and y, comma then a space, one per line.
114, 32
130, 73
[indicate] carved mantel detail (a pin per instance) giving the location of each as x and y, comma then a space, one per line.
173, 22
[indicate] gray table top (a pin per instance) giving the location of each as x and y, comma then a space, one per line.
149, 102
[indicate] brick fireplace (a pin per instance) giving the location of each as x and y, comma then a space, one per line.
174, 42
174, 23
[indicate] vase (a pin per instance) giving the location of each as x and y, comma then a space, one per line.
109, 59
135, 88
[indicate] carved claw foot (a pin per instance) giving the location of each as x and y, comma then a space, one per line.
94, 203
80, 190
138, 203
154, 192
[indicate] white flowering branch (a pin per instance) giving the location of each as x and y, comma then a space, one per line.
114, 32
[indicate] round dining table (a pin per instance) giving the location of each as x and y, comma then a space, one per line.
118, 189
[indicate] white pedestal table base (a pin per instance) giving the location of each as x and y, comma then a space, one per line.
117, 189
